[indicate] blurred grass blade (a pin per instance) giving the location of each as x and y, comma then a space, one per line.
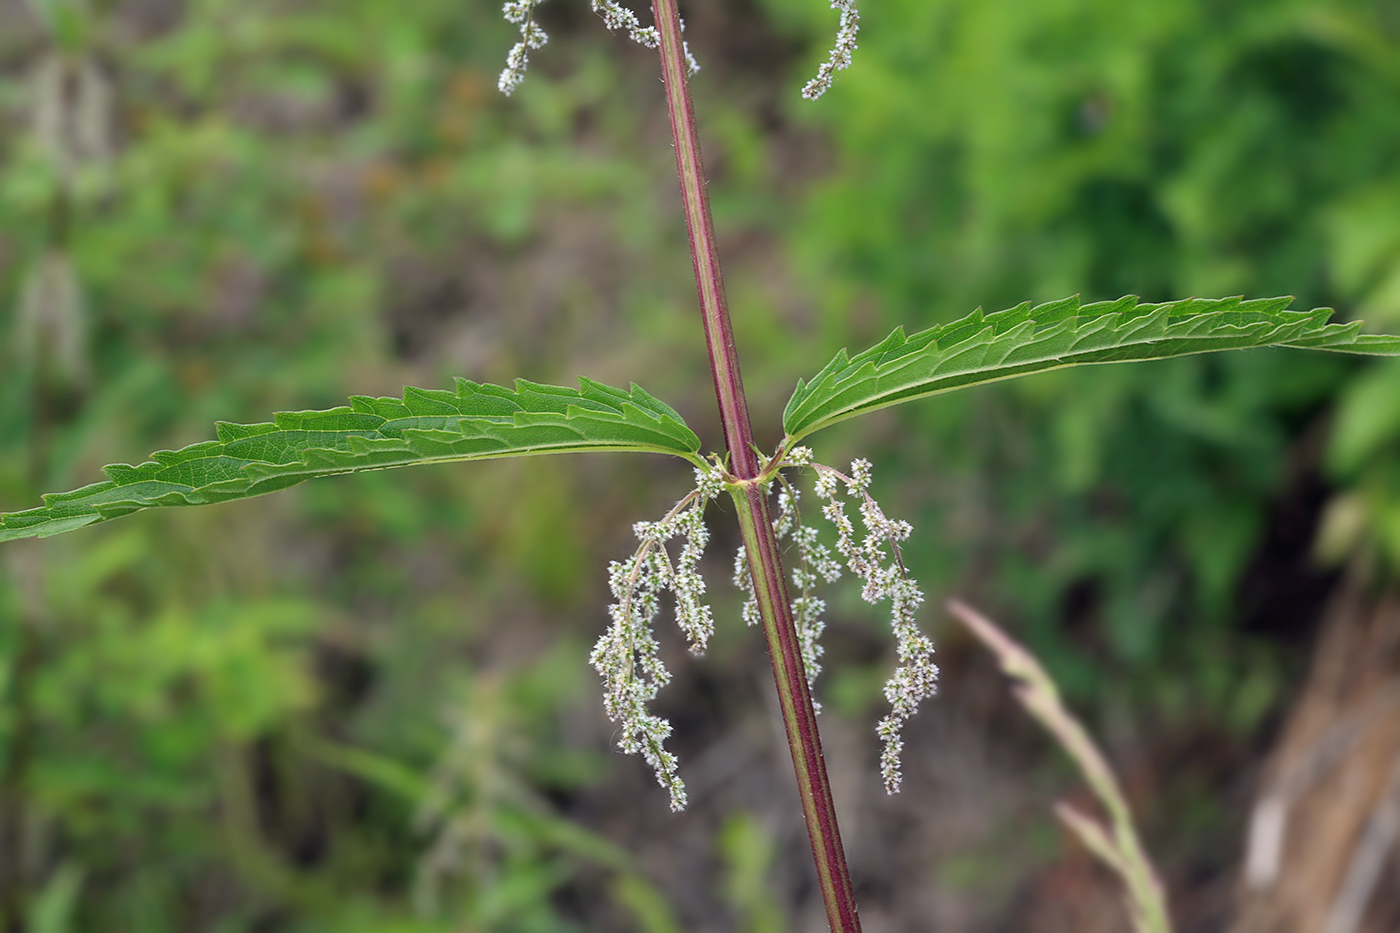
1117, 846
474, 422
55, 904
1024, 339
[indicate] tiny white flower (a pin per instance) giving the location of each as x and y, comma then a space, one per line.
799, 456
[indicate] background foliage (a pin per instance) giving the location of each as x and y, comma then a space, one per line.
364, 704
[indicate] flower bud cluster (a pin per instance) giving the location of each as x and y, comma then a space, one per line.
916, 677
627, 653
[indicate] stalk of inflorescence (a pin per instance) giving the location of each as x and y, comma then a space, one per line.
749, 489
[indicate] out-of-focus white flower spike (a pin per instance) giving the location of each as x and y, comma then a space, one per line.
522, 14
840, 57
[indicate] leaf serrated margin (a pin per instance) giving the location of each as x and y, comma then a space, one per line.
982, 348
472, 421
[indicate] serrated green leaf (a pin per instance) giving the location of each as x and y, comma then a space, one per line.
1024, 339
474, 422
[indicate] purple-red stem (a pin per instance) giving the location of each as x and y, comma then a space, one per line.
750, 496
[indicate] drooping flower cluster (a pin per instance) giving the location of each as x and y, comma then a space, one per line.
814, 562
840, 57
916, 677
615, 16
626, 655
522, 14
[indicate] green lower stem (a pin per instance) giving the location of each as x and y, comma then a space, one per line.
795, 700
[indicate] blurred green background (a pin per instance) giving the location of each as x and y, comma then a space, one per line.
364, 704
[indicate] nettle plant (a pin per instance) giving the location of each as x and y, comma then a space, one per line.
474, 421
